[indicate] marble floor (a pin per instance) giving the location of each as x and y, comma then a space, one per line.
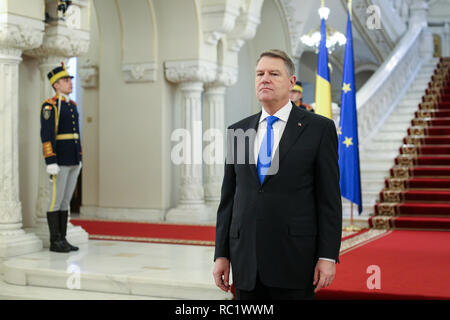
113, 270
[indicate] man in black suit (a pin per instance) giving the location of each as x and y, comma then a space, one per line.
280, 215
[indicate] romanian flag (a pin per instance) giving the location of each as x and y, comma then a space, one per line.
348, 129
323, 86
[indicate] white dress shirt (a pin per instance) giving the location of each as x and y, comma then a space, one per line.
278, 129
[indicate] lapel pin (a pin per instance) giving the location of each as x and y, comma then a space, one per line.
299, 124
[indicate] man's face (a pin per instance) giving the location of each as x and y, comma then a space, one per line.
295, 95
272, 82
63, 85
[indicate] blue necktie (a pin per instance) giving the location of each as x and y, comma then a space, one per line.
265, 152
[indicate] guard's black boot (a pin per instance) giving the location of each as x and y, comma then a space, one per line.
56, 245
63, 216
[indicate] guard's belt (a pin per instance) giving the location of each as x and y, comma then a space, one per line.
67, 136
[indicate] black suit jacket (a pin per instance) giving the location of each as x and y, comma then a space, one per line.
280, 228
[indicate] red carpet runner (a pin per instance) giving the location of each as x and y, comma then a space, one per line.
410, 265
417, 194
154, 232
148, 232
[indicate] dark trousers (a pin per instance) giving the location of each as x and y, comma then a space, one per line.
263, 292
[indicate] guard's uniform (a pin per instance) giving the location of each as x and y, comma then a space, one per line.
60, 132
60, 135
299, 103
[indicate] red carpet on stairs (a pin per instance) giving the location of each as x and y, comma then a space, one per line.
410, 265
417, 193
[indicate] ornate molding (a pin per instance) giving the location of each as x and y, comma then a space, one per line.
377, 39
88, 74
218, 19
246, 25
20, 32
190, 71
139, 72
226, 76
294, 25
59, 40
191, 190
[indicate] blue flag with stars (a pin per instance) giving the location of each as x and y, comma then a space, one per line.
348, 129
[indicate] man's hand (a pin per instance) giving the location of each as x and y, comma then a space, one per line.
221, 273
323, 274
53, 169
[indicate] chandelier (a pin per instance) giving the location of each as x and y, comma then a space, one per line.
334, 37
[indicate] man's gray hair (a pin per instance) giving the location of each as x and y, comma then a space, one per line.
275, 53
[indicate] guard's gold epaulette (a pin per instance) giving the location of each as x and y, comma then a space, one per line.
49, 101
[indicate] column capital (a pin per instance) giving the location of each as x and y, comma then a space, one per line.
226, 76
60, 40
20, 33
190, 71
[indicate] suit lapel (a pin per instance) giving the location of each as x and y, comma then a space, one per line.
295, 126
253, 125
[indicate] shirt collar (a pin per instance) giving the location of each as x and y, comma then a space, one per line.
63, 97
282, 114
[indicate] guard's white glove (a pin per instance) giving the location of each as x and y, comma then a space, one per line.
53, 169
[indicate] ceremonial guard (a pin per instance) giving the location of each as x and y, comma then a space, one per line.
60, 137
296, 96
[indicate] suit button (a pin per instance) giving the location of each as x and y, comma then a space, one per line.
261, 191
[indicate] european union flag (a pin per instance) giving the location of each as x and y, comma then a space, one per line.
348, 129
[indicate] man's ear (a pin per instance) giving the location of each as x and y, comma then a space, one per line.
56, 84
292, 80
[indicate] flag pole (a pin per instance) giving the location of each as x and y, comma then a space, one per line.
349, 3
351, 227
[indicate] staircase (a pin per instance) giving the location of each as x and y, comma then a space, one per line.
377, 156
417, 193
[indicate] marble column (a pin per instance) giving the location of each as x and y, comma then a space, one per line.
191, 186
215, 132
190, 76
14, 38
215, 123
